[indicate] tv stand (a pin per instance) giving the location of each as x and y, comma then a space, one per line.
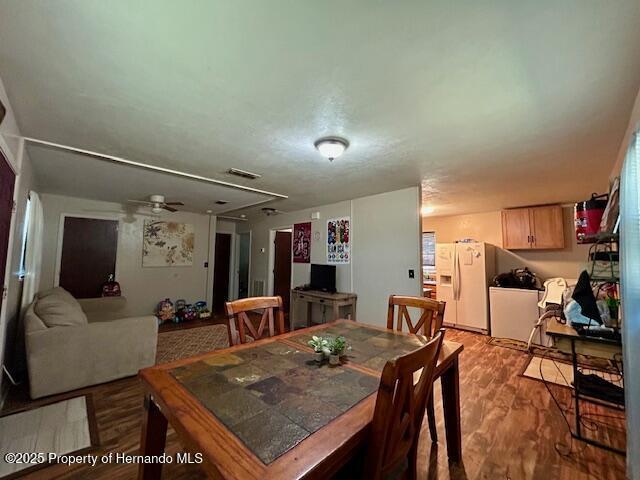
333, 300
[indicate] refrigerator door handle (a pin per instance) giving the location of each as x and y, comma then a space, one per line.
456, 275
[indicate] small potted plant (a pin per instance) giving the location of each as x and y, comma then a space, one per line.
336, 349
320, 347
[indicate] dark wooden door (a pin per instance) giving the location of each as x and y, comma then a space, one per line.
221, 271
282, 268
89, 248
7, 182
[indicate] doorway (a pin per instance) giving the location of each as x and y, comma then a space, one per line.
7, 182
244, 260
221, 269
88, 255
282, 267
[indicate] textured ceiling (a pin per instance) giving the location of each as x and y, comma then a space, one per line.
488, 103
63, 173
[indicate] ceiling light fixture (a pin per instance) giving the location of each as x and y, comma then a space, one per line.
331, 147
426, 210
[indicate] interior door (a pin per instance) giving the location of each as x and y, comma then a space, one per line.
546, 227
89, 248
221, 269
244, 254
516, 229
282, 268
7, 182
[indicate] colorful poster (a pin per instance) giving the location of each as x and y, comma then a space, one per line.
302, 242
338, 240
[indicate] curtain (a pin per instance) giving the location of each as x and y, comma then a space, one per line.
630, 284
33, 251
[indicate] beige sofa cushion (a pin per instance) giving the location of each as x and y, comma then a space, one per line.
61, 293
59, 309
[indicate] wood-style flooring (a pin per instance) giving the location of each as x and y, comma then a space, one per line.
510, 428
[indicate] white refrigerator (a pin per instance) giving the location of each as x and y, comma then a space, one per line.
463, 274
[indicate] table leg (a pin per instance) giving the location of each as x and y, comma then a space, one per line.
152, 441
336, 311
451, 405
309, 313
353, 311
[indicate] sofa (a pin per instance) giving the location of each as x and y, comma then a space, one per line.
73, 343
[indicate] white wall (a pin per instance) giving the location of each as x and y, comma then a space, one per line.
385, 231
386, 244
260, 240
143, 287
10, 330
567, 262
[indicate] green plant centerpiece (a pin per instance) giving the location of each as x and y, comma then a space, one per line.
320, 347
337, 347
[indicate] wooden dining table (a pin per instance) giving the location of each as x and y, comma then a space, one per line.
266, 410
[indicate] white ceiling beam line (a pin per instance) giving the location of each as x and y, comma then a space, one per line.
233, 219
146, 166
246, 205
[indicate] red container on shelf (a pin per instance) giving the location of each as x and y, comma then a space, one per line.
587, 217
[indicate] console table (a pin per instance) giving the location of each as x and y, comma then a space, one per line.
333, 300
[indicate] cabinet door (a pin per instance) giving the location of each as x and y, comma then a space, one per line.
547, 228
516, 230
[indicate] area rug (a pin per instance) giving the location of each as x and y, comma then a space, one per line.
179, 344
65, 427
535, 350
551, 353
561, 373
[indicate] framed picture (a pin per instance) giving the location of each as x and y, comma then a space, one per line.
167, 244
338, 240
302, 242
3, 112
612, 211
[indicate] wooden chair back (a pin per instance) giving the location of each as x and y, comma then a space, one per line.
430, 321
239, 322
399, 411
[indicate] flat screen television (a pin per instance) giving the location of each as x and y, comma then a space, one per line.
323, 277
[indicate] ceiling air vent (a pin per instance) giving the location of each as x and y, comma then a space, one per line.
243, 173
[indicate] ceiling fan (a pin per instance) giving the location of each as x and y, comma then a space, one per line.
269, 211
157, 204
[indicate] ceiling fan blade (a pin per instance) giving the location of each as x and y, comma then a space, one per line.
141, 202
170, 209
180, 204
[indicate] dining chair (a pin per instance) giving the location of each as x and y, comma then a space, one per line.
399, 411
238, 320
430, 321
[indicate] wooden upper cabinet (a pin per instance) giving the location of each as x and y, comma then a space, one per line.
516, 232
533, 228
547, 228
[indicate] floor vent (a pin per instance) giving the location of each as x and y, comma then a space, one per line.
258, 288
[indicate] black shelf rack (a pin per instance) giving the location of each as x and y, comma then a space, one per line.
604, 391
604, 258
604, 388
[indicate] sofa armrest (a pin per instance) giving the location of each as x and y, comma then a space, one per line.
65, 358
103, 309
